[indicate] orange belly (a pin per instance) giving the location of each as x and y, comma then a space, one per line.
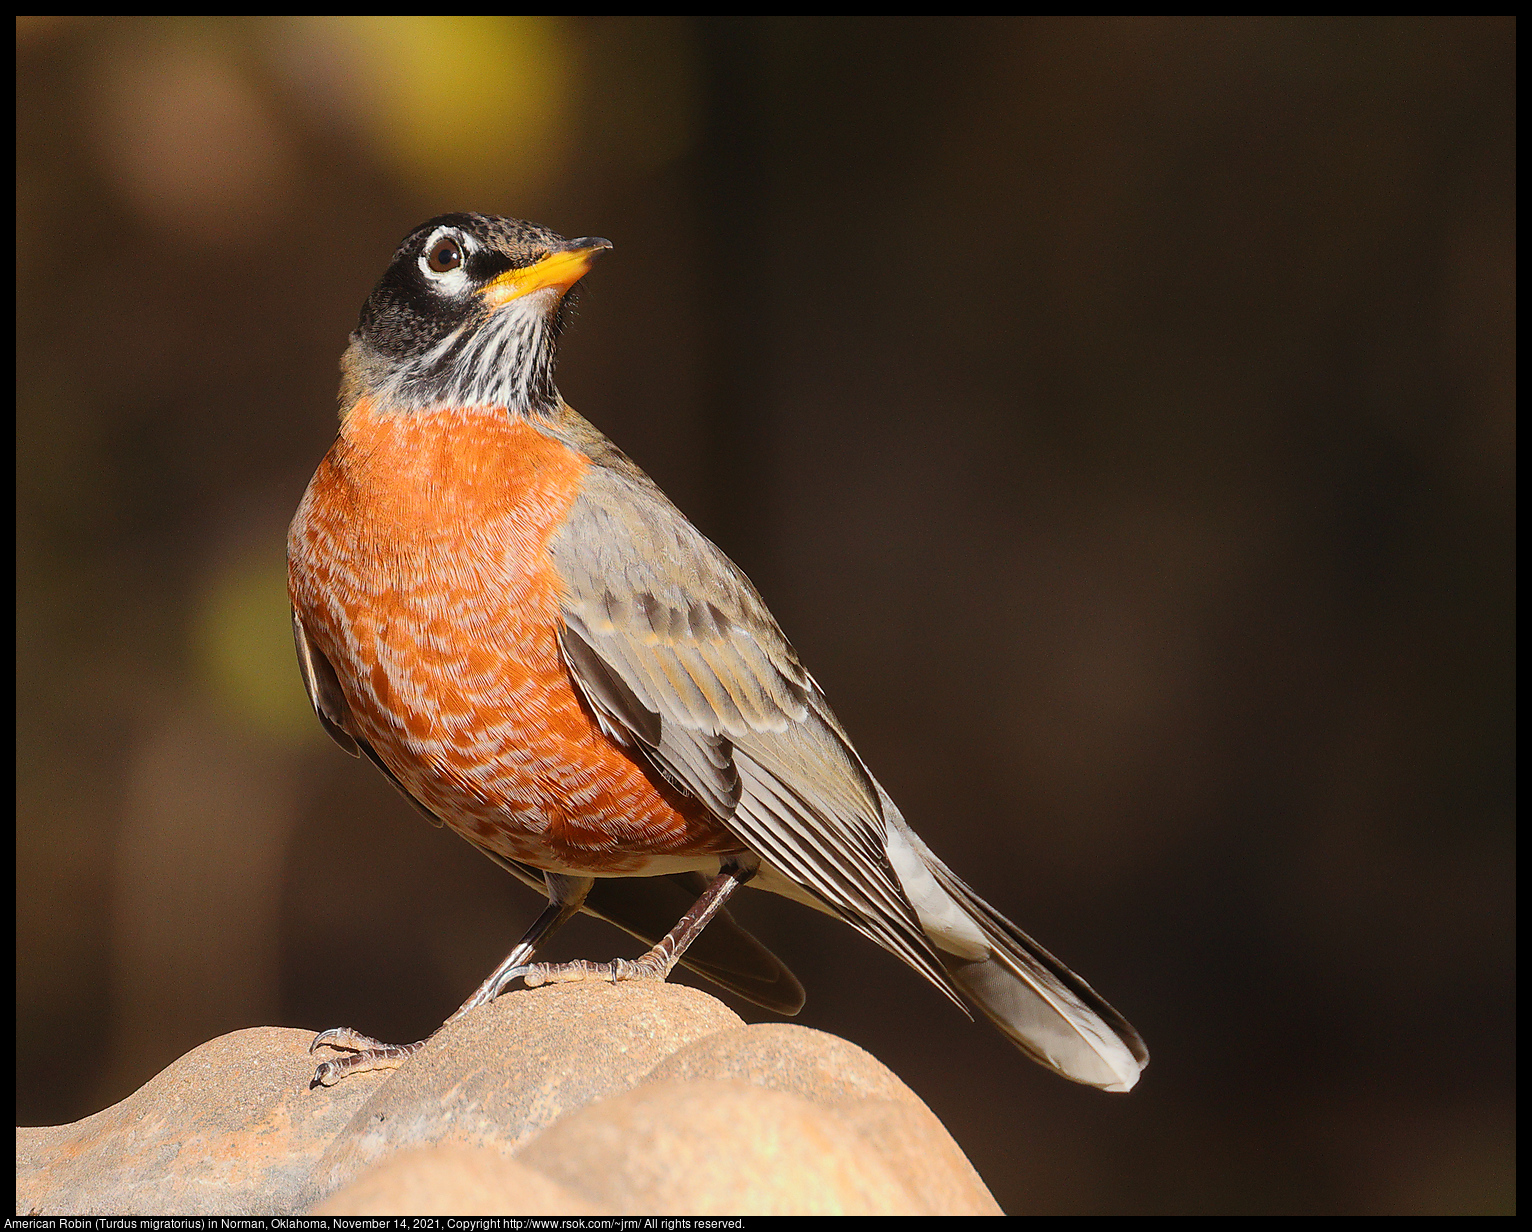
418, 564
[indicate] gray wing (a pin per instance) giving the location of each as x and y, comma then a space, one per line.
324, 689
678, 657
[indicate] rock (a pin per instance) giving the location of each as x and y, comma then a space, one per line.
460, 1179
859, 1089
229, 1129
505, 1073
709, 1147
636, 1098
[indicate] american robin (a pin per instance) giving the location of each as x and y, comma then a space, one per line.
504, 614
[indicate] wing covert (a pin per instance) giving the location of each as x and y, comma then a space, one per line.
676, 654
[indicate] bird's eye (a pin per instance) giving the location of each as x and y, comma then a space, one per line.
446, 254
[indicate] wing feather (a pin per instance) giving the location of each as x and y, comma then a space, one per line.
670, 643
323, 687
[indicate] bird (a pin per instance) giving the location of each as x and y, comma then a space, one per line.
504, 614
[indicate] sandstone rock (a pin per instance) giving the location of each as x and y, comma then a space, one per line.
463, 1180
508, 1071
573, 1099
859, 1089
231, 1128
709, 1147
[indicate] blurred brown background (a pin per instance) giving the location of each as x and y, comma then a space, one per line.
1118, 416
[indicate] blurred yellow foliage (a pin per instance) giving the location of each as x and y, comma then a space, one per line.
244, 648
463, 105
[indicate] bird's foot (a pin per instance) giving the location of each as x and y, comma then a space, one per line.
367, 1054
649, 967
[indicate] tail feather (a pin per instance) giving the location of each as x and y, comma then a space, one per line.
1046, 1010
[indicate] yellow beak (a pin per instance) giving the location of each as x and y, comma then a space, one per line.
560, 269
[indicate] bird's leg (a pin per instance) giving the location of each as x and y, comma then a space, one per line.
658, 962
565, 896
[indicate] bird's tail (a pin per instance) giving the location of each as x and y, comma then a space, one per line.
1048, 1011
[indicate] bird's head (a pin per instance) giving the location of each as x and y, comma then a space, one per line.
467, 314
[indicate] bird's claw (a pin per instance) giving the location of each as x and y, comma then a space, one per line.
344, 1039
367, 1054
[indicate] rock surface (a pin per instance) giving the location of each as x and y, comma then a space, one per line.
633, 1099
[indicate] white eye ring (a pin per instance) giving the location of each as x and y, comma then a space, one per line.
444, 259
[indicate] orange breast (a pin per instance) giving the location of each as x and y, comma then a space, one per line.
418, 563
